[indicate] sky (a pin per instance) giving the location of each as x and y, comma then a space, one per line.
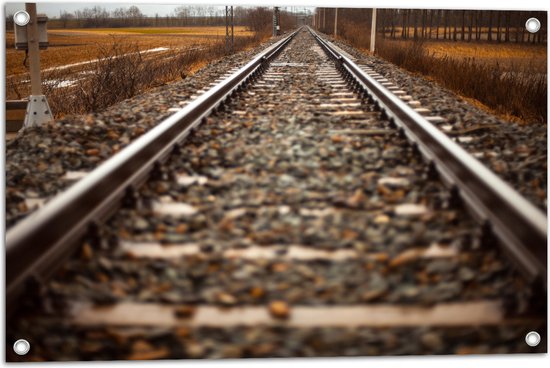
163, 7
52, 9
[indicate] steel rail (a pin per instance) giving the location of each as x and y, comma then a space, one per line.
519, 225
40, 242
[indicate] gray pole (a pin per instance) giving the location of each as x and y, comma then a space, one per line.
226, 29
38, 110
276, 22
232, 31
335, 22
34, 52
229, 30
373, 31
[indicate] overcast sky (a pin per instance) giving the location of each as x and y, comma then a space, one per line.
53, 9
150, 9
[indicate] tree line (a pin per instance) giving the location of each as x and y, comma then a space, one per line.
257, 19
451, 25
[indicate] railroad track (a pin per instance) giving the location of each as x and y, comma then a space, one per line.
303, 206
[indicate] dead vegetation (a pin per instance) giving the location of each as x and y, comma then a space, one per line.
120, 70
509, 89
68, 46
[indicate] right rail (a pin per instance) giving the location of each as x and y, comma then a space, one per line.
519, 225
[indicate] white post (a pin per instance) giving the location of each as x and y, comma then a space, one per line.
38, 110
335, 22
373, 31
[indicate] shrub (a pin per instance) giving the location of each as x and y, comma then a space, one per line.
120, 71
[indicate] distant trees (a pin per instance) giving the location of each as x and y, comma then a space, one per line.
256, 19
132, 16
92, 17
452, 25
259, 20
65, 17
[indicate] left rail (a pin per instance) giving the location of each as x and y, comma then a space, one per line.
39, 243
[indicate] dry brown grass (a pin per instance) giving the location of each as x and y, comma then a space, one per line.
68, 46
355, 34
507, 87
508, 55
119, 70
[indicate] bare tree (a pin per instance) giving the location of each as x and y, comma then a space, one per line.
431, 23
65, 16
182, 12
404, 24
507, 27
445, 23
471, 25
490, 32
455, 26
463, 24
499, 15
437, 21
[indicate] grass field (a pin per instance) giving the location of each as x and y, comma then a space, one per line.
510, 56
507, 78
68, 46
87, 70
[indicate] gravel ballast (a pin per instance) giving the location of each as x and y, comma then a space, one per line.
515, 152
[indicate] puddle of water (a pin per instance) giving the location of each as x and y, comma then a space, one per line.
60, 83
157, 49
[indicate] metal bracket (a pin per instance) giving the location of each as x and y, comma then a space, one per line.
38, 111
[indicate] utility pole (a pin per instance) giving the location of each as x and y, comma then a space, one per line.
38, 110
373, 31
335, 22
276, 21
324, 17
229, 34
